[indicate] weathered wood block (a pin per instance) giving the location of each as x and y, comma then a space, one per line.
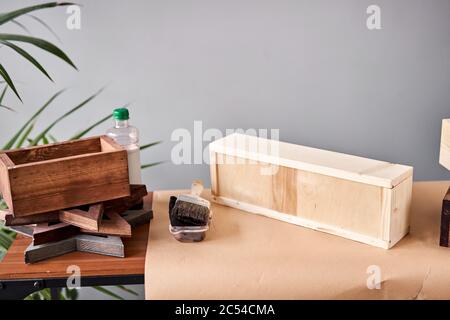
137, 193
113, 225
110, 246
9, 220
353, 197
89, 220
63, 175
139, 217
445, 221
44, 233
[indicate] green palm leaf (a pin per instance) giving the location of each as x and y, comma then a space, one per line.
4, 74
2, 96
45, 25
145, 166
54, 140
85, 131
46, 130
40, 43
7, 108
27, 56
108, 292
5, 17
13, 140
21, 26
25, 136
145, 146
127, 290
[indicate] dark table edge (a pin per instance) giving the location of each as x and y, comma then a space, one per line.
15, 289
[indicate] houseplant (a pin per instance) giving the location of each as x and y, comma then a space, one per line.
26, 135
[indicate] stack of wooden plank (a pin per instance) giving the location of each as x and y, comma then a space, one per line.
96, 228
71, 196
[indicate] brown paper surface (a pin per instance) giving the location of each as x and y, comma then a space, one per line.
246, 256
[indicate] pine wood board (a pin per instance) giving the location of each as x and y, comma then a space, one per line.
351, 209
444, 155
338, 165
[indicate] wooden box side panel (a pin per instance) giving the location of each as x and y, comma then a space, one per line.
55, 151
5, 190
343, 204
69, 182
400, 211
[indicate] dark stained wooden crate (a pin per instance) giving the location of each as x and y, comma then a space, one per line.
63, 175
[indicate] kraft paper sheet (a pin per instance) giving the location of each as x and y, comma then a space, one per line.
246, 256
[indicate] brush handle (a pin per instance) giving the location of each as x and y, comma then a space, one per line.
197, 188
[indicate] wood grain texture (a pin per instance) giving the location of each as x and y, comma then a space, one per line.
65, 182
14, 267
114, 225
136, 218
137, 193
334, 164
5, 185
26, 230
359, 211
10, 220
109, 246
55, 151
36, 253
44, 233
89, 220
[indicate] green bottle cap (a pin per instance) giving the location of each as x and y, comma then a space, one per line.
121, 114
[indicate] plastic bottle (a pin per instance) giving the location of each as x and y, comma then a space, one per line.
128, 137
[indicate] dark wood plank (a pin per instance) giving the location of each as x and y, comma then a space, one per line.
44, 233
445, 221
139, 217
10, 220
137, 193
27, 230
110, 246
36, 253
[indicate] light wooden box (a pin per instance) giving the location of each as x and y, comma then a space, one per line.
357, 198
63, 175
444, 154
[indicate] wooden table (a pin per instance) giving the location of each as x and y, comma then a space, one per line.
17, 279
246, 256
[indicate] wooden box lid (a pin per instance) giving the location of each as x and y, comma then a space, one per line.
339, 165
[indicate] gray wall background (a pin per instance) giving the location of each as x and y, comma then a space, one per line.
310, 68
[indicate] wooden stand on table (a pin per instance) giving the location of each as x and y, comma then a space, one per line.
96, 228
